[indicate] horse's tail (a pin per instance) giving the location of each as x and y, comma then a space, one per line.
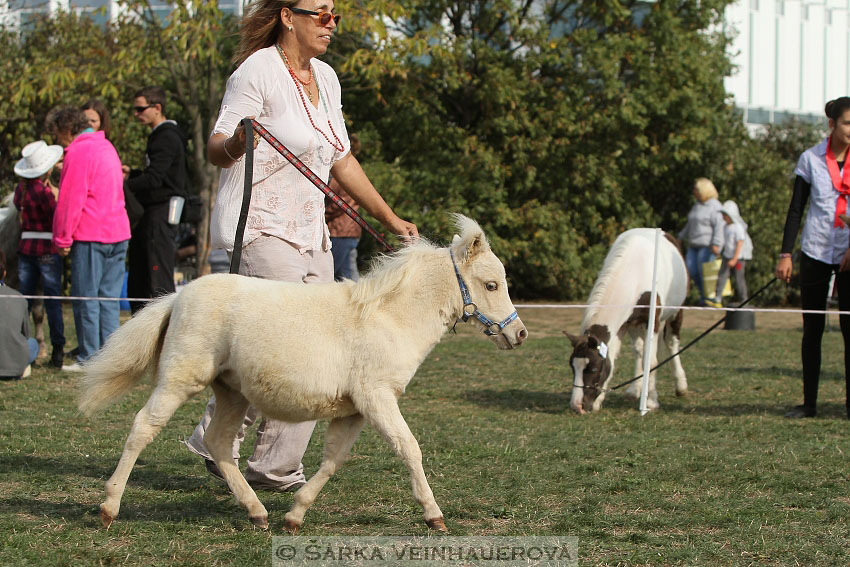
130, 354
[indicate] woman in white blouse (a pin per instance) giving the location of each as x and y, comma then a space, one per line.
297, 99
825, 244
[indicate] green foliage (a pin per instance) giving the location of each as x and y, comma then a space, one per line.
557, 124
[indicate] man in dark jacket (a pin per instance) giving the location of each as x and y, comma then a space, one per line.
153, 245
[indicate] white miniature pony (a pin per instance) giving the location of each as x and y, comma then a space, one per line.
342, 351
626, 280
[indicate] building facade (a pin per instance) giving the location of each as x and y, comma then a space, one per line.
791, 57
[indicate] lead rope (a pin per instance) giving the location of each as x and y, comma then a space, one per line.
252, 125
690, 344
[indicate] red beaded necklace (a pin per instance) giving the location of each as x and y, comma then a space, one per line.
340, 147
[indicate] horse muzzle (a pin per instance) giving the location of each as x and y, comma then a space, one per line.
510, 337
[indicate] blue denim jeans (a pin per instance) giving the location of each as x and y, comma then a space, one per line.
344, 250
48, 268
97, 270
694, 259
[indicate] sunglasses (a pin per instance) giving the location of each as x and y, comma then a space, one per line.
140, 109
324, 17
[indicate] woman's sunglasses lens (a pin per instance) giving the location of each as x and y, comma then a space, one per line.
326, 17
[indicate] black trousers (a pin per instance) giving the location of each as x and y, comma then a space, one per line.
814, 291
152, 252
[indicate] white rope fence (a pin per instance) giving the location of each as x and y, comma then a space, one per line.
517, 306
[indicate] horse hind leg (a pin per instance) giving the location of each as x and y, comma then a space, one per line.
230, 408
340, 437
159, 408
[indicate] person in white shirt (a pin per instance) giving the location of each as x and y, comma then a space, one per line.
825, 244
297, 98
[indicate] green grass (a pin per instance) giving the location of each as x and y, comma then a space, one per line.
716, 478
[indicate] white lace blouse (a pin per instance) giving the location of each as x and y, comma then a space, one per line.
284, 203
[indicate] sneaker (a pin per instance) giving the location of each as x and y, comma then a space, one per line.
294, 487
76, 367
27, 371
798, 412
712, 303
73, 352
213, 469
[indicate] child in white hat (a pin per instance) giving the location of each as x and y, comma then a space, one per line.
38, 259
736, 252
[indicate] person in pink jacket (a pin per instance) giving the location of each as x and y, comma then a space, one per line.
90, 224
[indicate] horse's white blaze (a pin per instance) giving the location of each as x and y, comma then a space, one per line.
578, 383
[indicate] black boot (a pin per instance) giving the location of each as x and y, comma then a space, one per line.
58, 356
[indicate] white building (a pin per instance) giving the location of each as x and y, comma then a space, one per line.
791, 56
16, 13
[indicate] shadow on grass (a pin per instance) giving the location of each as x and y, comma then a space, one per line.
519, 400
147, 473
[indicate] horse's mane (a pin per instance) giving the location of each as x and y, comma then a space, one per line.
389, 274
610, 270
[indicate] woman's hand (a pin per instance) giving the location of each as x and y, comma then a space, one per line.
845, 262
224, 151
784, 266
732, 262
407, 231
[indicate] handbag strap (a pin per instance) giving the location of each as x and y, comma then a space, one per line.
236, 256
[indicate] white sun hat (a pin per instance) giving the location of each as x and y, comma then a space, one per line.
37, 159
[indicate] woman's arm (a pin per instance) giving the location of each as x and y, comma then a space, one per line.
802, 190
352, 178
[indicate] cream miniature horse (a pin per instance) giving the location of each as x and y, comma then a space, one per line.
626, 281
341, 351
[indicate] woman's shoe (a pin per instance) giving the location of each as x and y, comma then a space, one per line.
798, 412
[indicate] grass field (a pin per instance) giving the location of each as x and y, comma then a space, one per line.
717, 478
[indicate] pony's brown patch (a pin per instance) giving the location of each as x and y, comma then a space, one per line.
640, 315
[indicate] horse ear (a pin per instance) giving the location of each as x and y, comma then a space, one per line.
574, 339
455, 239
471, 241
592, 342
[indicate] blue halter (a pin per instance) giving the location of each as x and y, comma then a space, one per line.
474, 312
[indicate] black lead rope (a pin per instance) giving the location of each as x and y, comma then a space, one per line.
236, 257
690, 344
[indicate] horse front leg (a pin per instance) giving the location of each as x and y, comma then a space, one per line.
387, 419
340, 437
634, 388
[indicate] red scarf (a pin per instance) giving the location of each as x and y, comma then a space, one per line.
840, 185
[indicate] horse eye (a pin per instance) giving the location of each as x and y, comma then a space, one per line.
492, 286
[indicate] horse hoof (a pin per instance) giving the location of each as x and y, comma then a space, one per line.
105, 519
291, 527
437, 524
261, 522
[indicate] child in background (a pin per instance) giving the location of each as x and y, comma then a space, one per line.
736, 252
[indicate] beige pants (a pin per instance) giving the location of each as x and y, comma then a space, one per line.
280, 446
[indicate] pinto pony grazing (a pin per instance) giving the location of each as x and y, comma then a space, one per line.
625, 281
342, 351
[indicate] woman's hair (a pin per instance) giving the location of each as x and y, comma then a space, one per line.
705, 189
261, 27
66, 118
835, 108
100, 108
